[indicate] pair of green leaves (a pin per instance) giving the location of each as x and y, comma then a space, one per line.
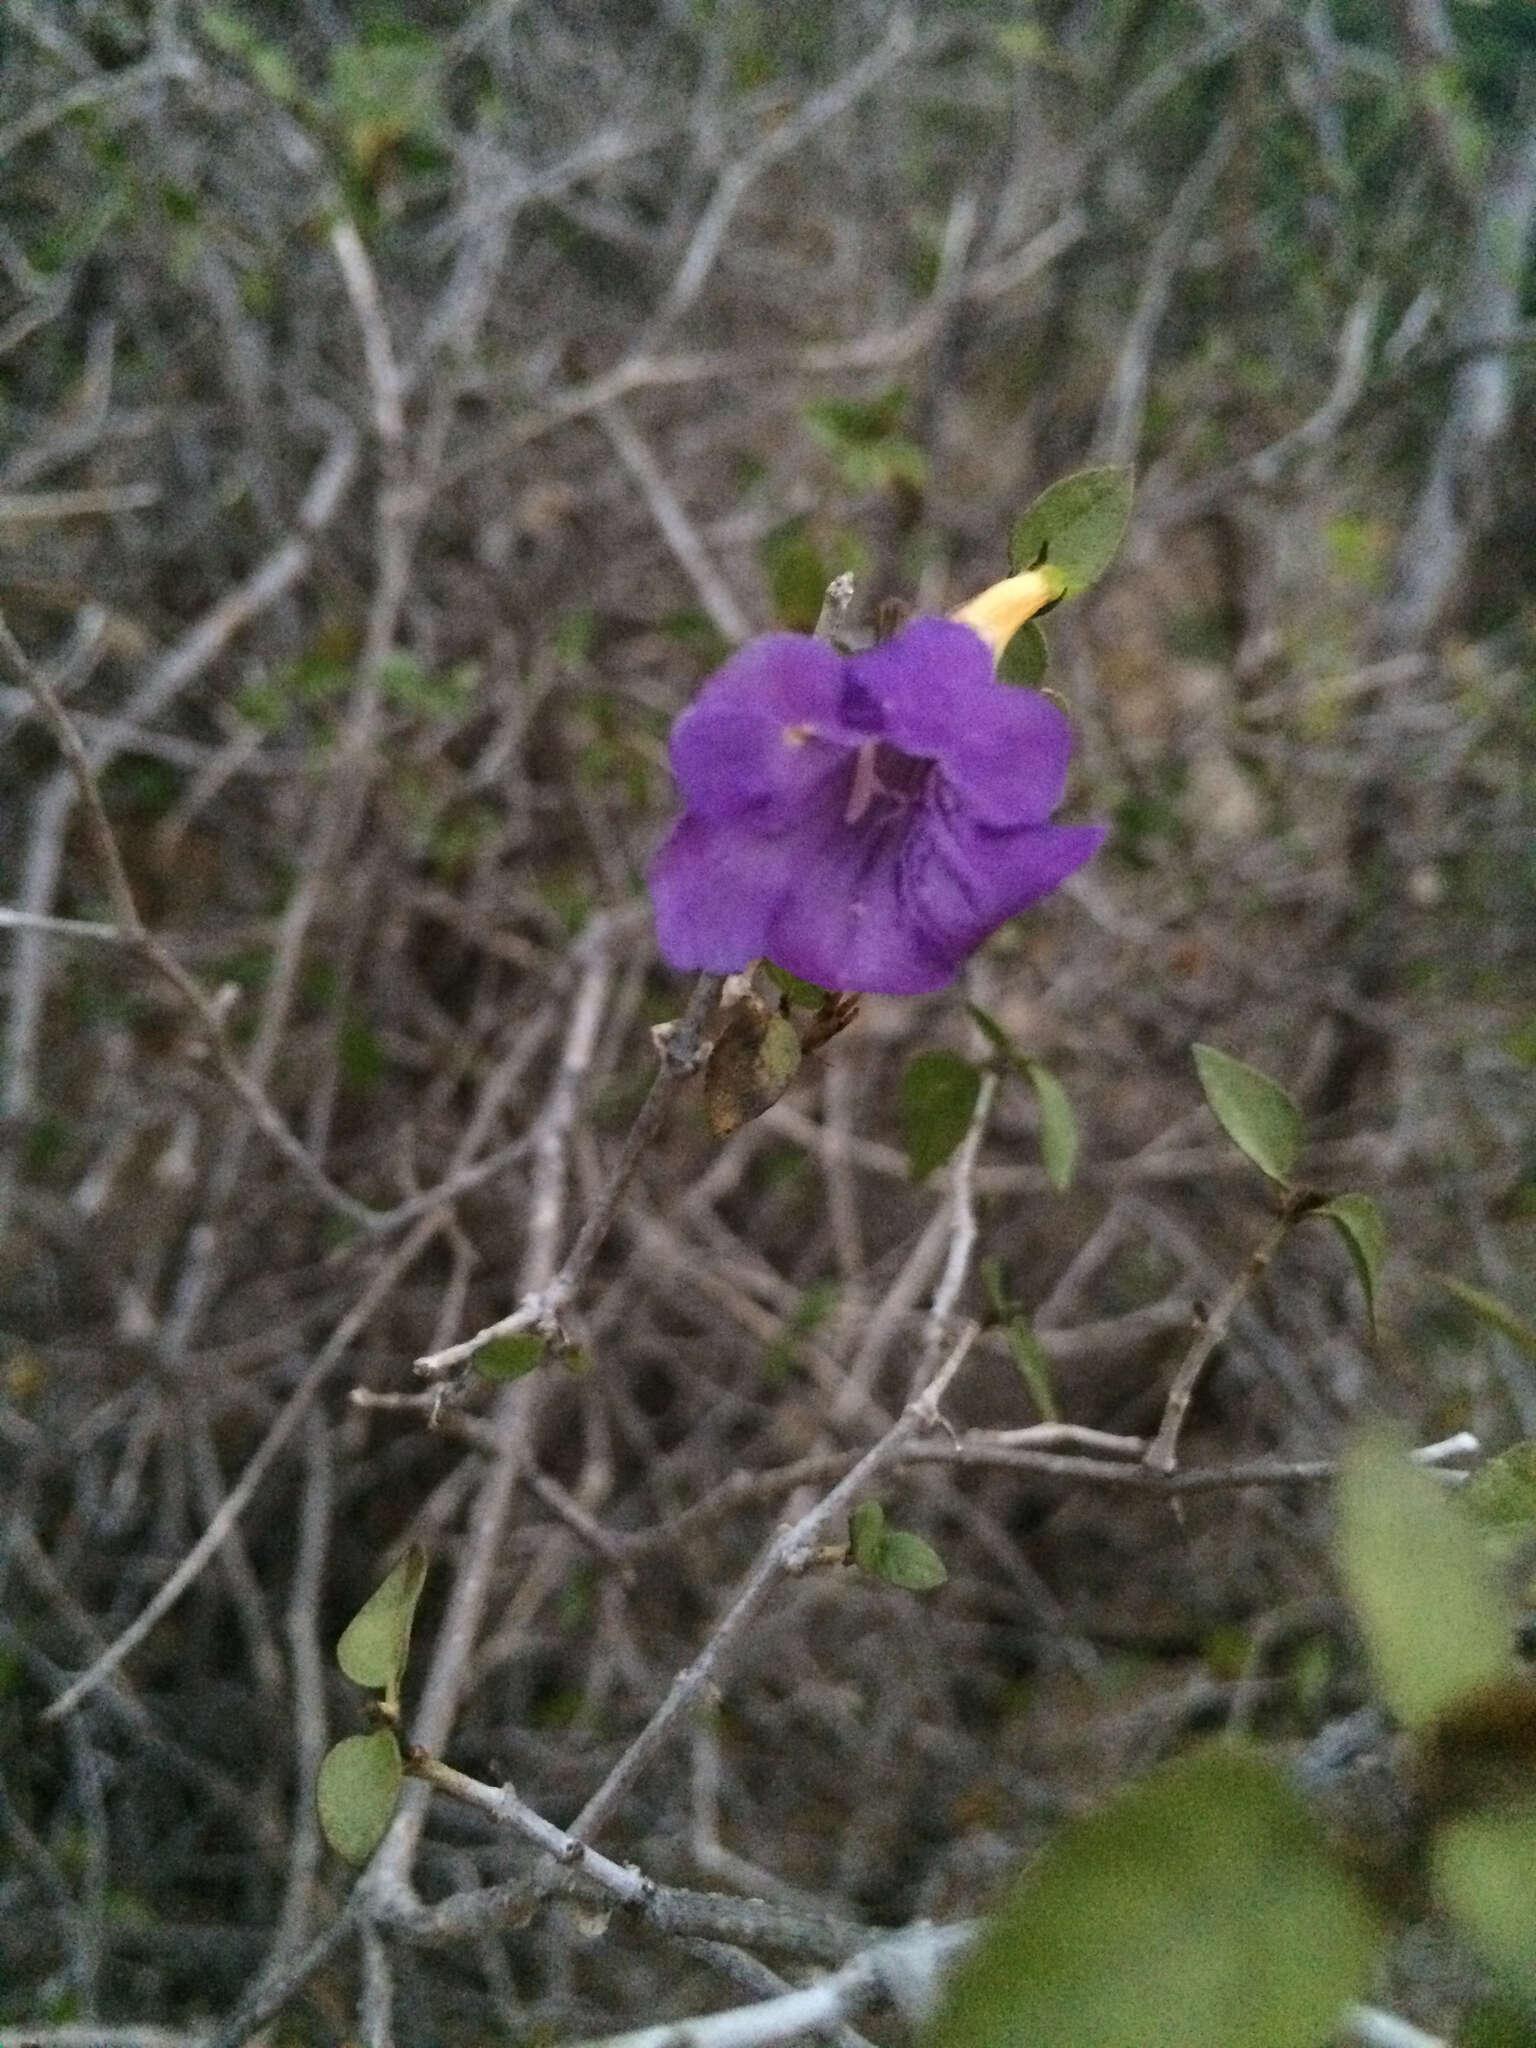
895, 1555
938, 1098
360, 1778
1074, 528
1266, 1126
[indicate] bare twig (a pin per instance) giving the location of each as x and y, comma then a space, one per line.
681, 1053
782, 1554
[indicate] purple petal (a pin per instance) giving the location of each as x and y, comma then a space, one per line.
1003, 749
718, 889
753, 746
902, 918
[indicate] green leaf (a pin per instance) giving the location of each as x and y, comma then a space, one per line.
1076, 526
907, 1561
1501, 1496
1198, 1907
804, 994
866, 1534
1058, 1125
1433, 1619
1485, 1872
1026, 658
1492, 1311
938, 1094
1255, 1112
356, 1791
377, 1640
755, 1058
1034, 1367
1358, 1221
509, 1358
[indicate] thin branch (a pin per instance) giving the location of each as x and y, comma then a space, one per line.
905, 1970
1162, 1453
136, 933
681, 1053
673, 1910
787, 1552
714, 593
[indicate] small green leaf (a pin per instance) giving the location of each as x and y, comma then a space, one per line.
509, 1358
1485, 1872
1034, 1367
1026, 658
1076, 526
1199, 1907
1433, 1619
755, 1058
1501, 1496
356, 1792
1358, 1221
1489, 1309
1058, 1126
938, 1094
1255, 1112
377, 1640
907, 1561
866, 1534
804, 994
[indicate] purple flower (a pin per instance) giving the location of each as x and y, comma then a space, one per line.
865, 820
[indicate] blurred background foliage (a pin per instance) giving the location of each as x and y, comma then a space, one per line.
689, 307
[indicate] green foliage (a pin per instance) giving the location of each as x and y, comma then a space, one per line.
1489, 1309
377, 1641
1485, 1872
1058, 1126
1501, 1497
864, 436
895, 1555
1026, 657
1059, 1138
1034, 1367
1255, 1112
801, 558
359, 1780
383, 90
804, 995
754, 1060
1358, 1221
938, 1094
1075, 527
356, 1791
1198, 1907
512, 1357
1434, 1622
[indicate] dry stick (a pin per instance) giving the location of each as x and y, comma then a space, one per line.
904, 1970
674, 1910
682, 1050
1119, 428
388, 1880
782, 140
1266, 465
143, 941
298, 1405
790, 1549
309, 1673
714, 593
1162, 1453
